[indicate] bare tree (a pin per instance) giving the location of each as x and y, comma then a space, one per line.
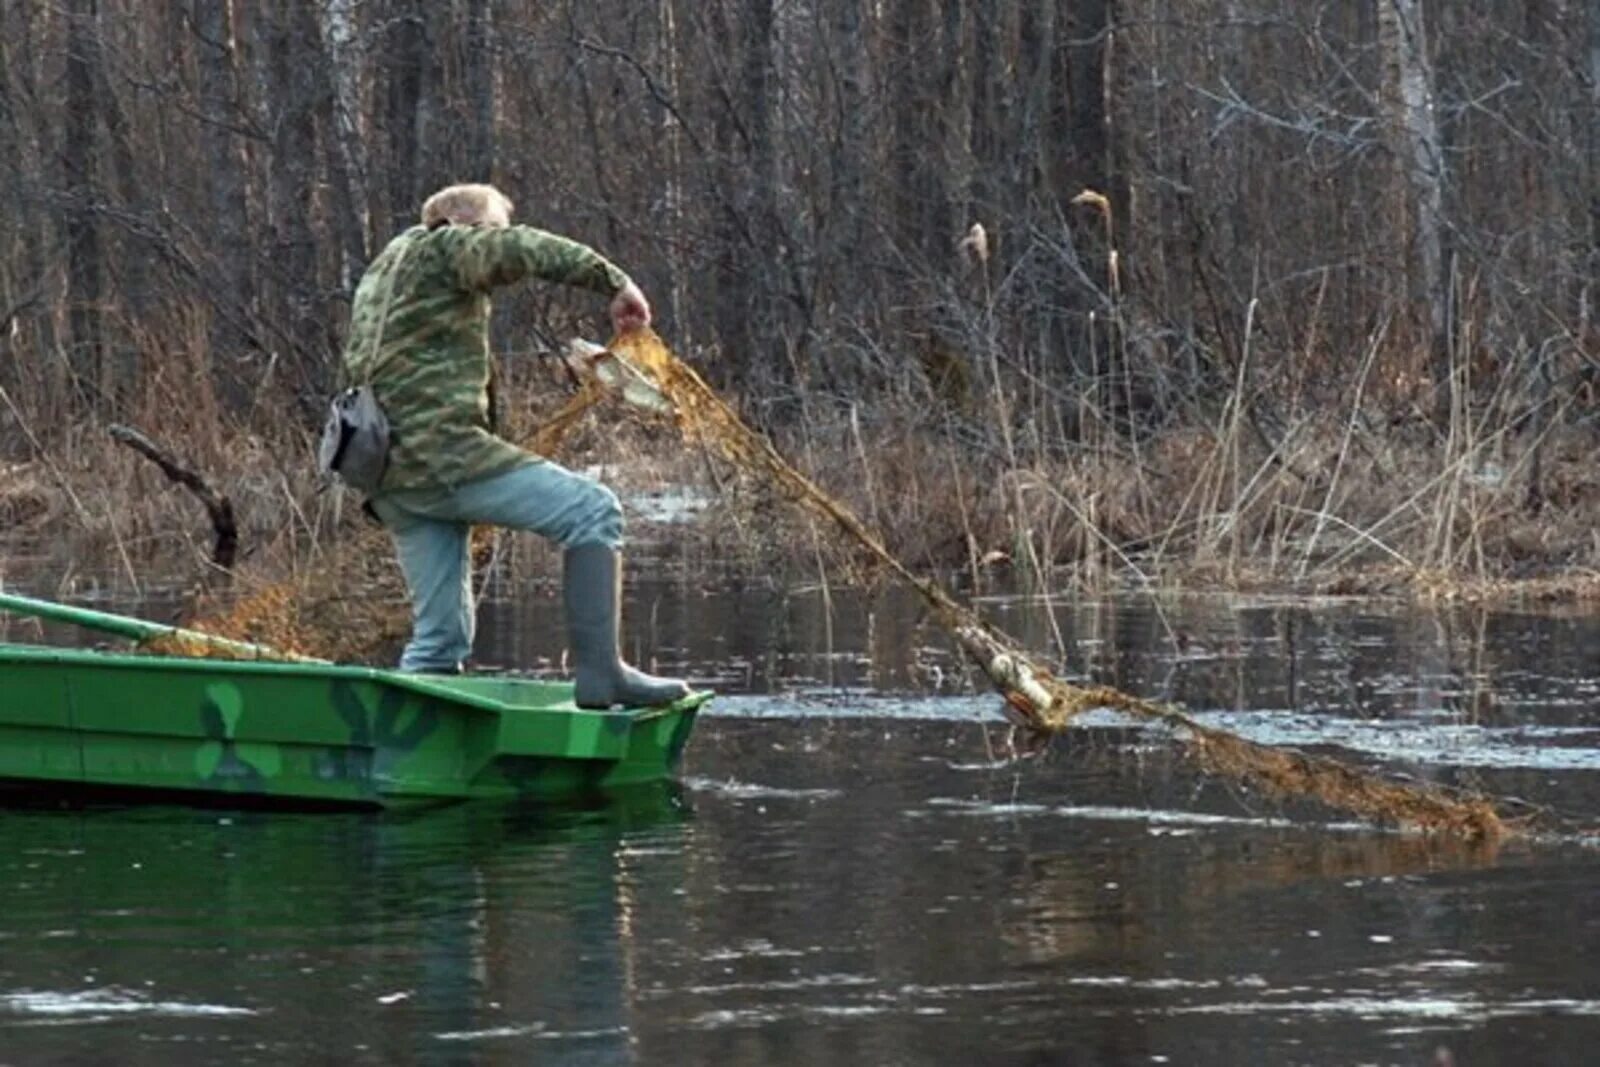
292, 139
1412, 125
482, 87
791, 182
343, 60
231, 255
80, 185
1590, 270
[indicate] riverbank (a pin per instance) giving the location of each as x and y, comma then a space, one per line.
1182, 509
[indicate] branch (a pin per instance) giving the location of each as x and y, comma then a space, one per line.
219, 507
652, 86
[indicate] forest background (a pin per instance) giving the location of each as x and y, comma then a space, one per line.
1226, 291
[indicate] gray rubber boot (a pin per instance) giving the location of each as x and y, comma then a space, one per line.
591, 595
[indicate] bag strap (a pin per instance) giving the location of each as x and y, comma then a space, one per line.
374, 364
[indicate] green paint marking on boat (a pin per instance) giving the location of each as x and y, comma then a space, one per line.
316, 732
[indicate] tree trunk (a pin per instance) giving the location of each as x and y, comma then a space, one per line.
13, 290
1592, 165
765, 245
678, 319
747, 259
132, 253
1077, 140
730, 293
1412, 129
419, 160
989, 74
292, 35
850, 207
482, 76
26, 154
438, 161
1035, 72
595, 130
913, 154
343, 61
405, 69
231, 249
85, 264
948, 145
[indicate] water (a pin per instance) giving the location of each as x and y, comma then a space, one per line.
854, 869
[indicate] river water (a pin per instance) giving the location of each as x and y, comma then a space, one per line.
854, 868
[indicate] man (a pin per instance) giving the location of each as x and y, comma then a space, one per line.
419, 335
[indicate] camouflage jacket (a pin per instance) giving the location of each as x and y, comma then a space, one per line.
427, 293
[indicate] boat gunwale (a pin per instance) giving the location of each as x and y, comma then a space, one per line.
419, 683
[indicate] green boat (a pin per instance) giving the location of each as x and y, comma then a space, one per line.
306, 732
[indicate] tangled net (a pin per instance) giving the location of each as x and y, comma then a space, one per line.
311, 615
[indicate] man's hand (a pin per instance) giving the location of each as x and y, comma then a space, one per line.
629, 309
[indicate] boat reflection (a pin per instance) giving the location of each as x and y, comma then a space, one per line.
483, 926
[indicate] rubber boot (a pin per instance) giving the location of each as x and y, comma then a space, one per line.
592, 596
454, 671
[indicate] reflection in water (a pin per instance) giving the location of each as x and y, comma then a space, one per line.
386, 936
855, 871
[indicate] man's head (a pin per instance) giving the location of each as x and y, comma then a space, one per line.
466, 205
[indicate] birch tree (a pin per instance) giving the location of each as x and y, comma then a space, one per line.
342, 58
1412, 125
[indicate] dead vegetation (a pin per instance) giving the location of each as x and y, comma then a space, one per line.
1188, 506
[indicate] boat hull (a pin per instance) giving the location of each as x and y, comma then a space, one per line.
315, 734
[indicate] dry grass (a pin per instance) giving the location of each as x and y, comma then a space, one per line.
28, 504
1405, 519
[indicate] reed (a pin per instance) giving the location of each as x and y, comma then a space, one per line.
1012, 469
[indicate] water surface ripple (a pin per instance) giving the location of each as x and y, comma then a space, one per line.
855, 869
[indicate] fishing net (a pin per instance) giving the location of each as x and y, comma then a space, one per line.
1035, 700
313, 613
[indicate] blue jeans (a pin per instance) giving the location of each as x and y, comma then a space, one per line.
430, 528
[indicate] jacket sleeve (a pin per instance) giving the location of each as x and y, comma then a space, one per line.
485, 257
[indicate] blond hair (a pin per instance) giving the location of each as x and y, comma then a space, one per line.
466, 205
